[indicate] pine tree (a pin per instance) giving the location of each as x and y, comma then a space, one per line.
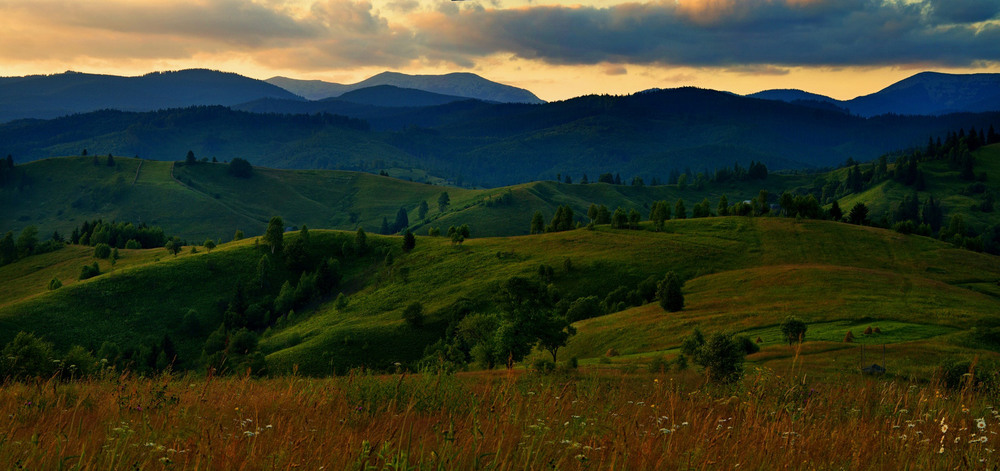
409, 241
538, 223
274, 236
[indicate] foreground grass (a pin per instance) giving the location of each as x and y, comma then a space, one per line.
496, 421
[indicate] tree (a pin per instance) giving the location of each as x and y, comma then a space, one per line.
274, 236
360, 241
409, 241
27, 241
402, 221
190, 159
238, 235
174, 246
562, 220
414, 315
443, 201
619, 220
102, 251
793, 329
527, 319
538, 223
680, 212
659, 213
723, 208
209, 244
8, 249
26, 356
111, 161
668, 291
858, 214
835, 212
240, 168
422, 210
384, 228
721, 355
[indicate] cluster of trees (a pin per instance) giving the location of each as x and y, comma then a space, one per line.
27, 356
122, 235
27, 244
402, 222
526, 317
240, 168
756, 171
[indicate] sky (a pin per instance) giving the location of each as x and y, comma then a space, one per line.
557, 49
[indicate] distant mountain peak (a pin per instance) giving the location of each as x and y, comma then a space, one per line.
459, 84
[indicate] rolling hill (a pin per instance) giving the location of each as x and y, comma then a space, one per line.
742, 273
469, 142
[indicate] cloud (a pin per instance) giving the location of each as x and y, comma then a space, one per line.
718, 33
746, 36
964, 11
615, 69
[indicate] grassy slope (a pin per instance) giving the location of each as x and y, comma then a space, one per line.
203, 201
944, 184
746, 274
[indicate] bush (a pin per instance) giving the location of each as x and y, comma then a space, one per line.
747, 344
89, 271
544, 365
102, 251
133, 244
721, 355
55, 284
27, 356
794, 330
659, 365
414, 315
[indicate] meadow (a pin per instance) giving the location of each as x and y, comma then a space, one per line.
593, 419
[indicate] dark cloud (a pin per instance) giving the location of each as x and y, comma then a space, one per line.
719, 33
755, 36
964, 11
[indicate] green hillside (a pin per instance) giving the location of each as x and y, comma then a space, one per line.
742, 273
204, 201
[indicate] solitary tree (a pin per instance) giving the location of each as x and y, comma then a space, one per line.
537, 223
414, 315
858, 214
836, 213
422, 210
680, 212
668, 291
793, 329
190, 159
240, 168
209, 244
275, 234
721, 355
443, 201
360, 241
409, 241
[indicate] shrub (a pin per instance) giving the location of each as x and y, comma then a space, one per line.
414, 315
544, 365
89, 271
133, 244
794, 329
659, 365
55, 284
26, 356
721, 355
102, 251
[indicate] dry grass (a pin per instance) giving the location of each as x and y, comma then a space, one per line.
502, 420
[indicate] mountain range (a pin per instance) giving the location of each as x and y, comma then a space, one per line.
926, 93
460, 84
52, 96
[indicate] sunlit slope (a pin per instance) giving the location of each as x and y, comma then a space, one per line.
745, 274
944, 184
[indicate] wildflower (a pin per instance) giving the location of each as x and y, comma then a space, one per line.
941, 450
944, 428
981, 423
